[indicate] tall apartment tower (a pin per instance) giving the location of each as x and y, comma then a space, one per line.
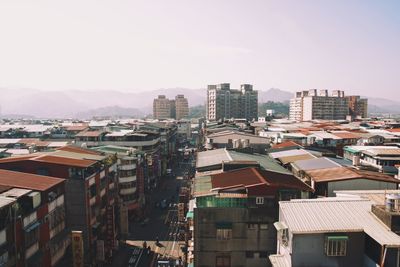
318, 105
224, 102
162, 108
358, 107
181, 107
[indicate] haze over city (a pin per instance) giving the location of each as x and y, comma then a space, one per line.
135, 46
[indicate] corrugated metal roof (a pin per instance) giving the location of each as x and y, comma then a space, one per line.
84, 163
316, 163
290, 159
288, 153
212, 157
329, 215
76, 149
27, 180
376, 196
265, 161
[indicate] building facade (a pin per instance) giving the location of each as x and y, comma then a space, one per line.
225, 103
164, 108
318, 105
358, 107
181, 107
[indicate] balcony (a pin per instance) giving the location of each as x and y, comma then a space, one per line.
92, 201
119, 143
127, 191
111, 186
102, 192
127, 179
31, 250
128, 167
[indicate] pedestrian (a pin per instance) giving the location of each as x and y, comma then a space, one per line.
148, 250
144, 244
157, 240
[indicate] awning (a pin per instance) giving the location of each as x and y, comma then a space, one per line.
223, 225
32, 227
280, 226
190, 214
337, 238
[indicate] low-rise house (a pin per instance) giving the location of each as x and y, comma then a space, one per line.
331, 232
327, 180
382, 158
234, 215
237, 140
287, 157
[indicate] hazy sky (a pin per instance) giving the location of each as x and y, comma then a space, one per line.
141, 45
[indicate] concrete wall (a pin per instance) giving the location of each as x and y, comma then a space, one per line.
309, 250
358, 184
207, 247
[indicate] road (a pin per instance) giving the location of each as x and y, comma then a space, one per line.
162, 224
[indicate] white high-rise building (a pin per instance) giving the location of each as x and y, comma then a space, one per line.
318, 105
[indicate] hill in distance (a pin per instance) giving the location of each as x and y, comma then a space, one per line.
81, 103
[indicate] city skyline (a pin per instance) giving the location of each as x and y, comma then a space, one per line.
122, 46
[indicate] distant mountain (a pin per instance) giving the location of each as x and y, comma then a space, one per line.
70, 103
274, 95
113, 112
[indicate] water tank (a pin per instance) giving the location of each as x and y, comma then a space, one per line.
392, 202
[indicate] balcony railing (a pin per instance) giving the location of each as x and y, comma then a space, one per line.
127, 167
127, 191
127, 179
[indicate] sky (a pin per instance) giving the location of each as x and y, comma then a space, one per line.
145, 45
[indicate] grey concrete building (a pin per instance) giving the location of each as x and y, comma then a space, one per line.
234, 215
334, 232
224, 102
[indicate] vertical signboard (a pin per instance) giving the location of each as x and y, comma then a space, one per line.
77, 248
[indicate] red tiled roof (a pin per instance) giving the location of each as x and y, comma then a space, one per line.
27, 180
343, 173
84, 163
286, 144
79, 150
33, 141
77, 128
256, 181
346, 135
89, 133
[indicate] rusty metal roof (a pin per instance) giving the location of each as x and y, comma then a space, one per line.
27, 180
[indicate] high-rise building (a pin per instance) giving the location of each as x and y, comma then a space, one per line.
318, 105
224, 102
164, 108
358, 107
181, 107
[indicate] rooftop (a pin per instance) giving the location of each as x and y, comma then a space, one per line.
330, 215
27, 180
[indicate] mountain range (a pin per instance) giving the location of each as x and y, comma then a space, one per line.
86, 104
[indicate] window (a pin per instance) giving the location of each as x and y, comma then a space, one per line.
223, 261
224, 234
259, 200
252, 226
336, 245
249, 254
263, 226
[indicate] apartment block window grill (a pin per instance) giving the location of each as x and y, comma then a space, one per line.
259, 200
336, 246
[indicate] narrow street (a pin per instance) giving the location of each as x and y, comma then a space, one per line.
161, 224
